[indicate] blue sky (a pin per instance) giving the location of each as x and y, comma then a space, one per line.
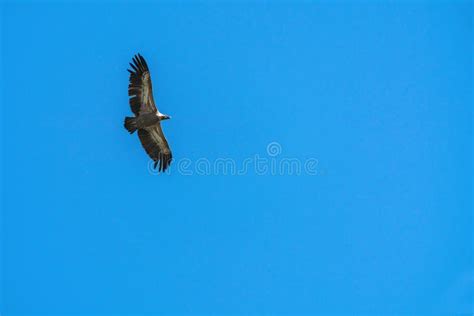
380, 93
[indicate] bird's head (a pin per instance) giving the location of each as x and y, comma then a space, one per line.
164, 117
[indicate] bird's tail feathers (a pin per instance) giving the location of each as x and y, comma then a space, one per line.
130, 124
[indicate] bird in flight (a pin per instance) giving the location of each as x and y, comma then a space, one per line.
147, 119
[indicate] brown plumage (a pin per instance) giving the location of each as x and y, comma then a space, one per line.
147, 117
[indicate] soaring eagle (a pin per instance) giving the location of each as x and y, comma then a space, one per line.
147, 117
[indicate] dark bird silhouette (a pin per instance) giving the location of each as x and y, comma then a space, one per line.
147, 120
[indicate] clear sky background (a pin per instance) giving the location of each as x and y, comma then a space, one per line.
379, 92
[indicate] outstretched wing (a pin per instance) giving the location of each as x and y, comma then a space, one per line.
154, 142
139, 87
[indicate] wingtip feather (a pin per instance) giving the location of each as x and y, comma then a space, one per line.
142, 60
